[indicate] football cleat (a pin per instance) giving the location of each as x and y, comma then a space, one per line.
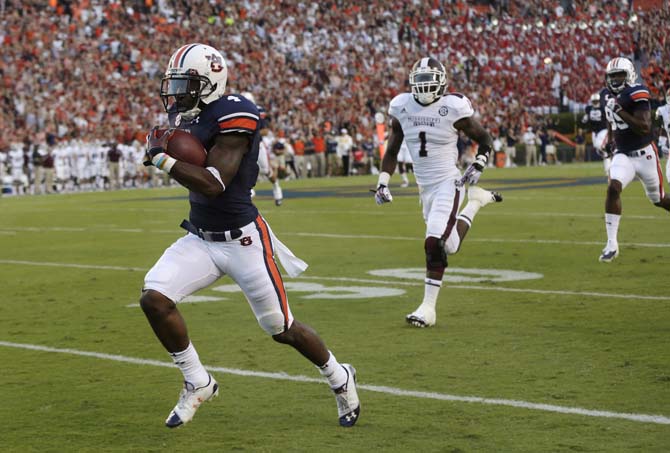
190, 400
278, 202
607, 256
421, 317
348, 405
483, 196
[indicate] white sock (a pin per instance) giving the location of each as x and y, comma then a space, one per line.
431, 290
188, 362
612, 227
404, 177
469, 212
334, 372
276, 191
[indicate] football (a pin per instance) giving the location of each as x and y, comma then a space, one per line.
186, 148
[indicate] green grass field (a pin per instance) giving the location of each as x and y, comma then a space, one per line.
576, 358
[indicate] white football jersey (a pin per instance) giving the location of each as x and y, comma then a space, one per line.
430, 134
663, 112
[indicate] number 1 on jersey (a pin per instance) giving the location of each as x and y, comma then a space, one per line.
422, 151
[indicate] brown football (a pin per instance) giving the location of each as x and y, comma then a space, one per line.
186, 148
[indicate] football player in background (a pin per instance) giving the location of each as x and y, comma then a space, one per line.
226, 234
663, 117
594, 120
429, 119
265, 157
628, 114
404, 163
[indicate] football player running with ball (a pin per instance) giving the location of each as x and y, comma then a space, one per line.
429, 120
628, 114
226, 234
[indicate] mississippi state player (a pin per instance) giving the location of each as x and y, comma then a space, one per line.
429, 119
635, 155
227, 236
663, 117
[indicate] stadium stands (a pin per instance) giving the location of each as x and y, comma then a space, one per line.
91, 69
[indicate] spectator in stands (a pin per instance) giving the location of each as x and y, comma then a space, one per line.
310, 156
344, 150
580, 145
319, 169
114, 162
282, 61
530, 141
299, 156
511, 138
332, 159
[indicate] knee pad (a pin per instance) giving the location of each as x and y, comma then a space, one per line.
436, 255
273, 324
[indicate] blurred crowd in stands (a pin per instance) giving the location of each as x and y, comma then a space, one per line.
90, 70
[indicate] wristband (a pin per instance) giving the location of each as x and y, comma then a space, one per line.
384, 179
164, 162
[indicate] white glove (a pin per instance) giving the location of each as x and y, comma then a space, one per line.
382, 193
606, 151
474, 170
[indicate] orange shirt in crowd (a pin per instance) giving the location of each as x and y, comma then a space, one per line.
319, 144
299, 147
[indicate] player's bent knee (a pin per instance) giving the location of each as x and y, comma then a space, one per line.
614, 188
154, 303
436, 256
274, 325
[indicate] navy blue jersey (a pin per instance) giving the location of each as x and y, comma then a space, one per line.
231, 114
594, 119
631, 99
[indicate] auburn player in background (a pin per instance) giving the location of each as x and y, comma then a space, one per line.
226, 234
594, 120
265, 159
663, 118
429, 119
628, 114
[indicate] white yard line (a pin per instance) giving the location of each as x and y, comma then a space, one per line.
643, 418
398, 282
491, 288
497, 240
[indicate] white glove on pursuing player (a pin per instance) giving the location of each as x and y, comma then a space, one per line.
474, 170
382, 193
606, 151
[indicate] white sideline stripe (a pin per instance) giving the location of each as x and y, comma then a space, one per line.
77, 266
364, 280
335, 236
644, 418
